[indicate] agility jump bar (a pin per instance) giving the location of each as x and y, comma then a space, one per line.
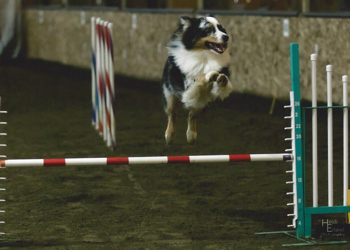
144, 160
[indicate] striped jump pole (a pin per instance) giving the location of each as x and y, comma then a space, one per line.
102, 84
144, 160
93, 72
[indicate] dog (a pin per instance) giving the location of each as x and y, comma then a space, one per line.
196, 71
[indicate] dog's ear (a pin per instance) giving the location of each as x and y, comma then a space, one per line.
185, 22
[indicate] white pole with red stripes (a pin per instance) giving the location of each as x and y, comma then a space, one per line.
102, 79
144, 160
103, 76
93, 71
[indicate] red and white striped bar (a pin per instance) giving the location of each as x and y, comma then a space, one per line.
143, 160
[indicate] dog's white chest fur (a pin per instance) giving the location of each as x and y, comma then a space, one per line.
195, 63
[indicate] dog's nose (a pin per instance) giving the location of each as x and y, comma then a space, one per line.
225, 38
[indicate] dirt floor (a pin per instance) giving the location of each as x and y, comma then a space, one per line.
203, 206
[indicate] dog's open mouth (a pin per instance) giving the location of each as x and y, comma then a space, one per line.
216, 47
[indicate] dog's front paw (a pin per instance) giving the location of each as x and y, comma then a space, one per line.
222, 80
212, 76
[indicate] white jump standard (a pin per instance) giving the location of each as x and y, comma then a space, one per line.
2, 156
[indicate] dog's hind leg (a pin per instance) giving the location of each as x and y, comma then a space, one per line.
191, 132
172, 104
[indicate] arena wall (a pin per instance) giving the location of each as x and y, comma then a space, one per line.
260, 53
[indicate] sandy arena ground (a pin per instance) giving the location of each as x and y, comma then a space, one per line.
203, 206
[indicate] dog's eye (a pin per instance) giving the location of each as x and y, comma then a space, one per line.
209, 29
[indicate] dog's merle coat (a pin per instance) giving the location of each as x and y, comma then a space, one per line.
196, 71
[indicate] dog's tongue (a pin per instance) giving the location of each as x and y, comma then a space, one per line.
218, 47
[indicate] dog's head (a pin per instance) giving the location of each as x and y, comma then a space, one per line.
203, 33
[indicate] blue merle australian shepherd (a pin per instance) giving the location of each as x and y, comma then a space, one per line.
196, 71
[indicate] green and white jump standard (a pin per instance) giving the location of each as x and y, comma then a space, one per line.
302, 216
